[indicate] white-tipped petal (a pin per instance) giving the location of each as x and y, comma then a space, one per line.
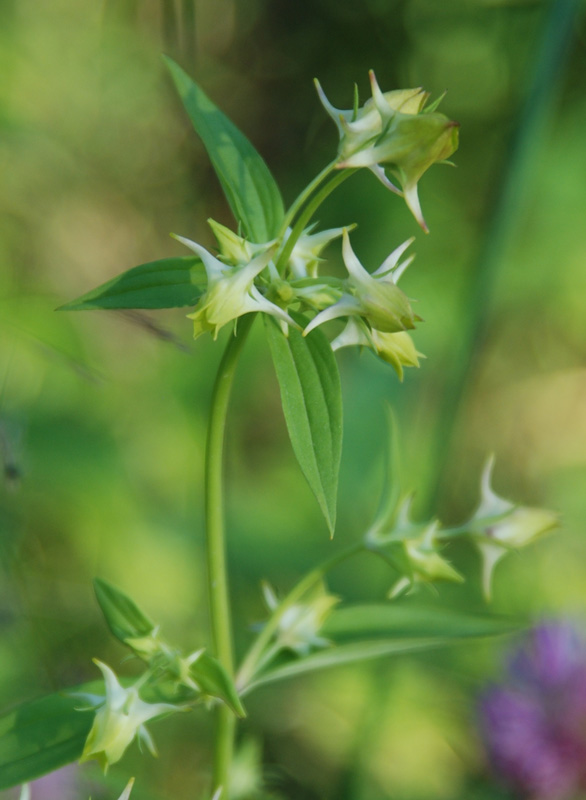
336, 114
379, 172
393, 259
490, 554
353, 265
126, 793
213, 267
145, 738
491, 505
398, 271
343, 308
260, 303
353, 335
383, 108
412, 200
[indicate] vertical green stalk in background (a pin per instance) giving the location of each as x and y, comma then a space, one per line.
510, 193
170, 29
221, 619
188, 25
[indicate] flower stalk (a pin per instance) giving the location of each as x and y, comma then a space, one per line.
218, 587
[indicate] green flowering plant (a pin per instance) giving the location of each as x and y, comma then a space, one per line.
273, 265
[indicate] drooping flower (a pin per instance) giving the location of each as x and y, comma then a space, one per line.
534, 723
120, 718
397, 349
394, 129
301, 623
230, 292
499, 526
374, 297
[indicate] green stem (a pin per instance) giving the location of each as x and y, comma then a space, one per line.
255, 656
309, 211
216, 548
300, 200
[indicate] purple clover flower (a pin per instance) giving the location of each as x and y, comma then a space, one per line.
534, 726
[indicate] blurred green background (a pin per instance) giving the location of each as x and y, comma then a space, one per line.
103, 414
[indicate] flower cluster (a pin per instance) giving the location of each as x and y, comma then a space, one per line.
394, 130
243, 278
534, 724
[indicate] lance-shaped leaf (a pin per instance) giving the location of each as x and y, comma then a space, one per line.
342, 655
246, 180
41, 736
124, 617
401, 621
312, 403
213, 680
167, 283
360, 633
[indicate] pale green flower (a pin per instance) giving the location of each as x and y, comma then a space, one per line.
376, 297
230, 292
300, 624
304, 258
119, 720
499, 526
413, 549
397, 349
394, 129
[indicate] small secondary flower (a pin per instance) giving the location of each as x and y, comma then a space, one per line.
119, 719
499, 526
301, 623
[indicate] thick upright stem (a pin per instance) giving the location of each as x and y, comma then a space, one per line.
221, 619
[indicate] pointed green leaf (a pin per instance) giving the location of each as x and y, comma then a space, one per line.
343, 654
401, 621
312, 403
359, 633
124, 617
167, 283
213, 679
41, 736
246, 180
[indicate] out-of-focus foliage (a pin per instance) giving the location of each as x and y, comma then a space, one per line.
103, 414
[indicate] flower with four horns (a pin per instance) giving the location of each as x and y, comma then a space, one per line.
120, 718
